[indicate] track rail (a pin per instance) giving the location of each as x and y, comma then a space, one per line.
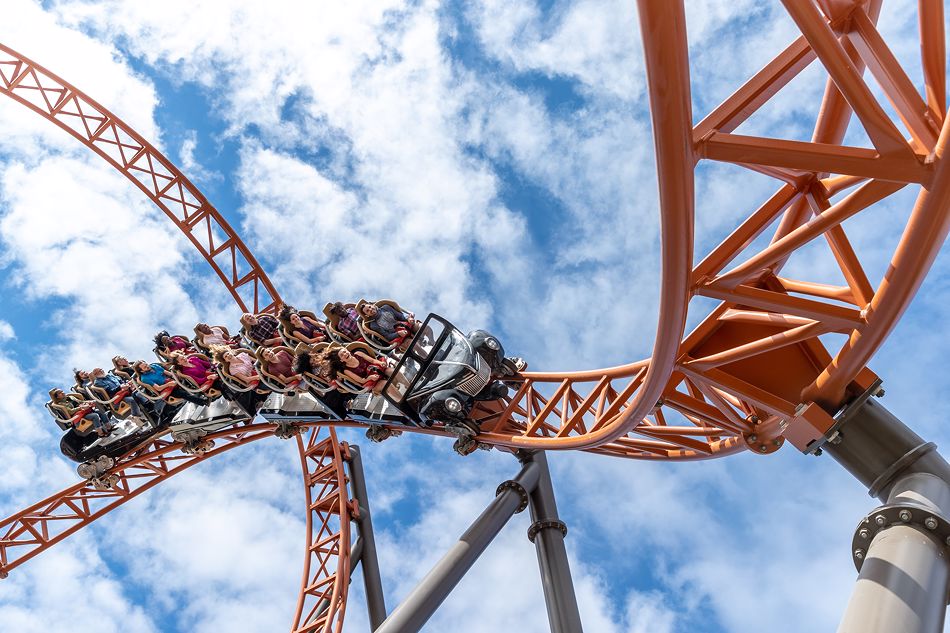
43, 525
739, 380
107, 135
758, 359
35, 529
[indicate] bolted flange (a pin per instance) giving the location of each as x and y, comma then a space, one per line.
886, 516
543, 524
514, 485
763, 445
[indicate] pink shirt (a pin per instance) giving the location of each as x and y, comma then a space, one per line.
216, 337
242, 366
198, 368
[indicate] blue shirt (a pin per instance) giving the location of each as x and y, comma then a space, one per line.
156, 376
110, 383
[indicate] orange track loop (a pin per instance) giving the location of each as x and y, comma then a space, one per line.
727, 368
739, 378
122, 147
45, 524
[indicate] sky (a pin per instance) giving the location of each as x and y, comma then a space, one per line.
489, 160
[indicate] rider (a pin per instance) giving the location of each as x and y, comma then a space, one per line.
358, 367
347, 320
73, 404
196, 367
113, 384
209, 335
238, 363
279, 363
155, 375
122, 368
261, 329
302, 327
391, 324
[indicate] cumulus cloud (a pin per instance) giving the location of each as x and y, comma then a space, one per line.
374, 159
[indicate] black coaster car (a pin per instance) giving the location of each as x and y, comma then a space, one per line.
125, 435
443, 373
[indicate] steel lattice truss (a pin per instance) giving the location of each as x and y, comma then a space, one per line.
136, 158
751, 374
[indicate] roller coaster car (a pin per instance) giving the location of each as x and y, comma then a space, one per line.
443, 373
125, 435
300, 407
219, 414
372, 409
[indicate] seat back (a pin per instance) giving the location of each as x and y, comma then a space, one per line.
60, 415
333, 321
271, 380
117, 406
152, 392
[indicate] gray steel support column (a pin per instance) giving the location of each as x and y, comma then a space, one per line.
418, 607
372, 581
548, 531
900, 547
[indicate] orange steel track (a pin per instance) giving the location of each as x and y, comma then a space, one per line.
754, 372
322, 600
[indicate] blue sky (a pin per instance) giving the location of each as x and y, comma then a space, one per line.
490, 161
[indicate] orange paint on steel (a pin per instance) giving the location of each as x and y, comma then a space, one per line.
45, 523
925, 233
741, 372
64, 105
322, 602
165, 185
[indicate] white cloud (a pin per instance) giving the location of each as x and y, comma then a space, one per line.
413, 147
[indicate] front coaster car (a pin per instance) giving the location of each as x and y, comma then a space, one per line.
443, 373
